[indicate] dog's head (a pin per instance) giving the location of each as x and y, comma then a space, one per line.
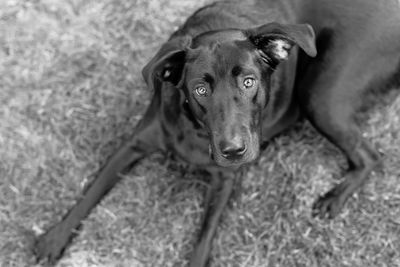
225, 76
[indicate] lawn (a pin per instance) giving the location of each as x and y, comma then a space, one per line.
71, 91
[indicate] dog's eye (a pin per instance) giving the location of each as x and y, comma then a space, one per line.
201, 90
249, 82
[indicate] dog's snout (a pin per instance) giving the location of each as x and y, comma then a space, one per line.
232, 149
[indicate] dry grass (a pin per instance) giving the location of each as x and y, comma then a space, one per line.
71, 90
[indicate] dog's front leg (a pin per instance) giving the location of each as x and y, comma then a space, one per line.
216, 199
51, 245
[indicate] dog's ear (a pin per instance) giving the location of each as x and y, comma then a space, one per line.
275, 40
167, 64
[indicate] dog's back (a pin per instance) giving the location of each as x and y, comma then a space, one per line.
380, 17
371, 27
357, 33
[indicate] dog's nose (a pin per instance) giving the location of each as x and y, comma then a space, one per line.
232, 149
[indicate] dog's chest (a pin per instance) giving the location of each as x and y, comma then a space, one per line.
185, 139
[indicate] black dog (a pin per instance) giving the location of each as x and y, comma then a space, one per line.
238, 73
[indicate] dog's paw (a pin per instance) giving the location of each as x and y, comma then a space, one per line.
330, 204
50, 246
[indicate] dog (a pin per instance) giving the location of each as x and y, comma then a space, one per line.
238, 73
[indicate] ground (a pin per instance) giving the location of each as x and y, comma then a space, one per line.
71, 90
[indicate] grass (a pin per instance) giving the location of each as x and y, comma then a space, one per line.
71, 91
